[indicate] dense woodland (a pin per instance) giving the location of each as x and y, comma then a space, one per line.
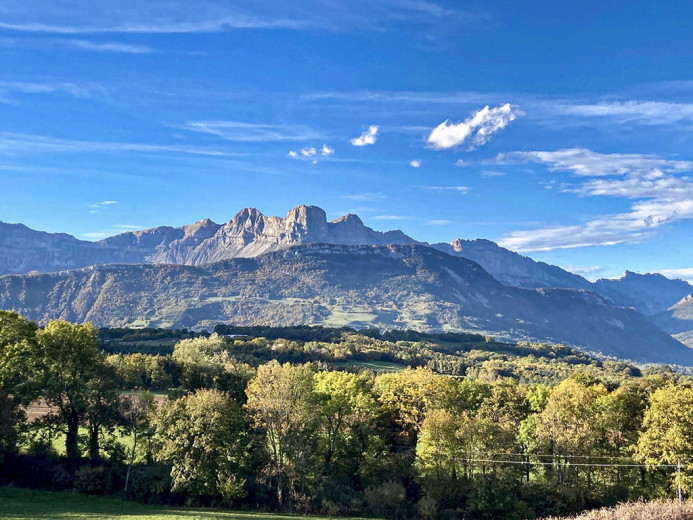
336, 421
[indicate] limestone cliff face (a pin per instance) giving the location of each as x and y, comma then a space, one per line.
512, 268
248, 234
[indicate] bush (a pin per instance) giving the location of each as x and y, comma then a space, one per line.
94, 480
388, 499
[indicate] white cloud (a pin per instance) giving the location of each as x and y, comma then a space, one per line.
415, 163
54, 87
492, 173
391, 217
370, 136
461, 189
99, 234
684, 274
476, 130
365, 197
251, 132
583, 271
659, 191
98, 206
115, 47
210, 16
632, 111
13, 143
438, 222
587, 163
311, 152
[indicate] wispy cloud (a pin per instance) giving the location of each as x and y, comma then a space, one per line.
685, 274
368, 137
365, 197
438, 222
659, 191
75, 90
201, 26
460, 189
492, 173
161, 17
14, 143
415, 163
97, 206
583, 271
391, 217
632, 111
587, 163
252, 132
116, 47
475, 131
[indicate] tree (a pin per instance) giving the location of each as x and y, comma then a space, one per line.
17, 340
439, 450
65, 363
102, 405
347, 410
281, 403
138, 411
409, 395
667, 435
205, 440
200, 360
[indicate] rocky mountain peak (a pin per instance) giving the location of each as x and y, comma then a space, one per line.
311, 219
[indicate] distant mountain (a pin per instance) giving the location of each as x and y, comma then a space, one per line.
678, 320
250, 233
512, 268
387, 286
649, 293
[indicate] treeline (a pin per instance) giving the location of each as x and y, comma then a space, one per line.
241, 428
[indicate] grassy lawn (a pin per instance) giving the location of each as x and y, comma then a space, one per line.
22, 504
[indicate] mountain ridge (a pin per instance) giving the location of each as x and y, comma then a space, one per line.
396, 286
250, 233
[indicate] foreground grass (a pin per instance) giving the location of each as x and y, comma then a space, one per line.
640, 511
24, 504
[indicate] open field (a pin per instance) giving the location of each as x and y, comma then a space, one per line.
22, 504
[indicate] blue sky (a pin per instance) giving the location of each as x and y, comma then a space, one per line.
559, 130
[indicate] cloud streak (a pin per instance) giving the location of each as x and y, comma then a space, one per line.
14, 143
475, 131
252, 132
660, 192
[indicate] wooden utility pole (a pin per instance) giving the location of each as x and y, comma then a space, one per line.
678, 468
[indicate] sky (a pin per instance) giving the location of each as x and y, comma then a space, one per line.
562, 131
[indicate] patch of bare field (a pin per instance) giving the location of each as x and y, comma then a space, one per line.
639, 511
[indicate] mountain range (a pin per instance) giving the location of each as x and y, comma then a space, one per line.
403, 286
252, 235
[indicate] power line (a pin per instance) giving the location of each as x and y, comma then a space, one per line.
582, 464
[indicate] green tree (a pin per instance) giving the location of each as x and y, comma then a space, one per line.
347, 411
282, 403
204, 438
65, 364
200, 360
17, 340
667, 435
